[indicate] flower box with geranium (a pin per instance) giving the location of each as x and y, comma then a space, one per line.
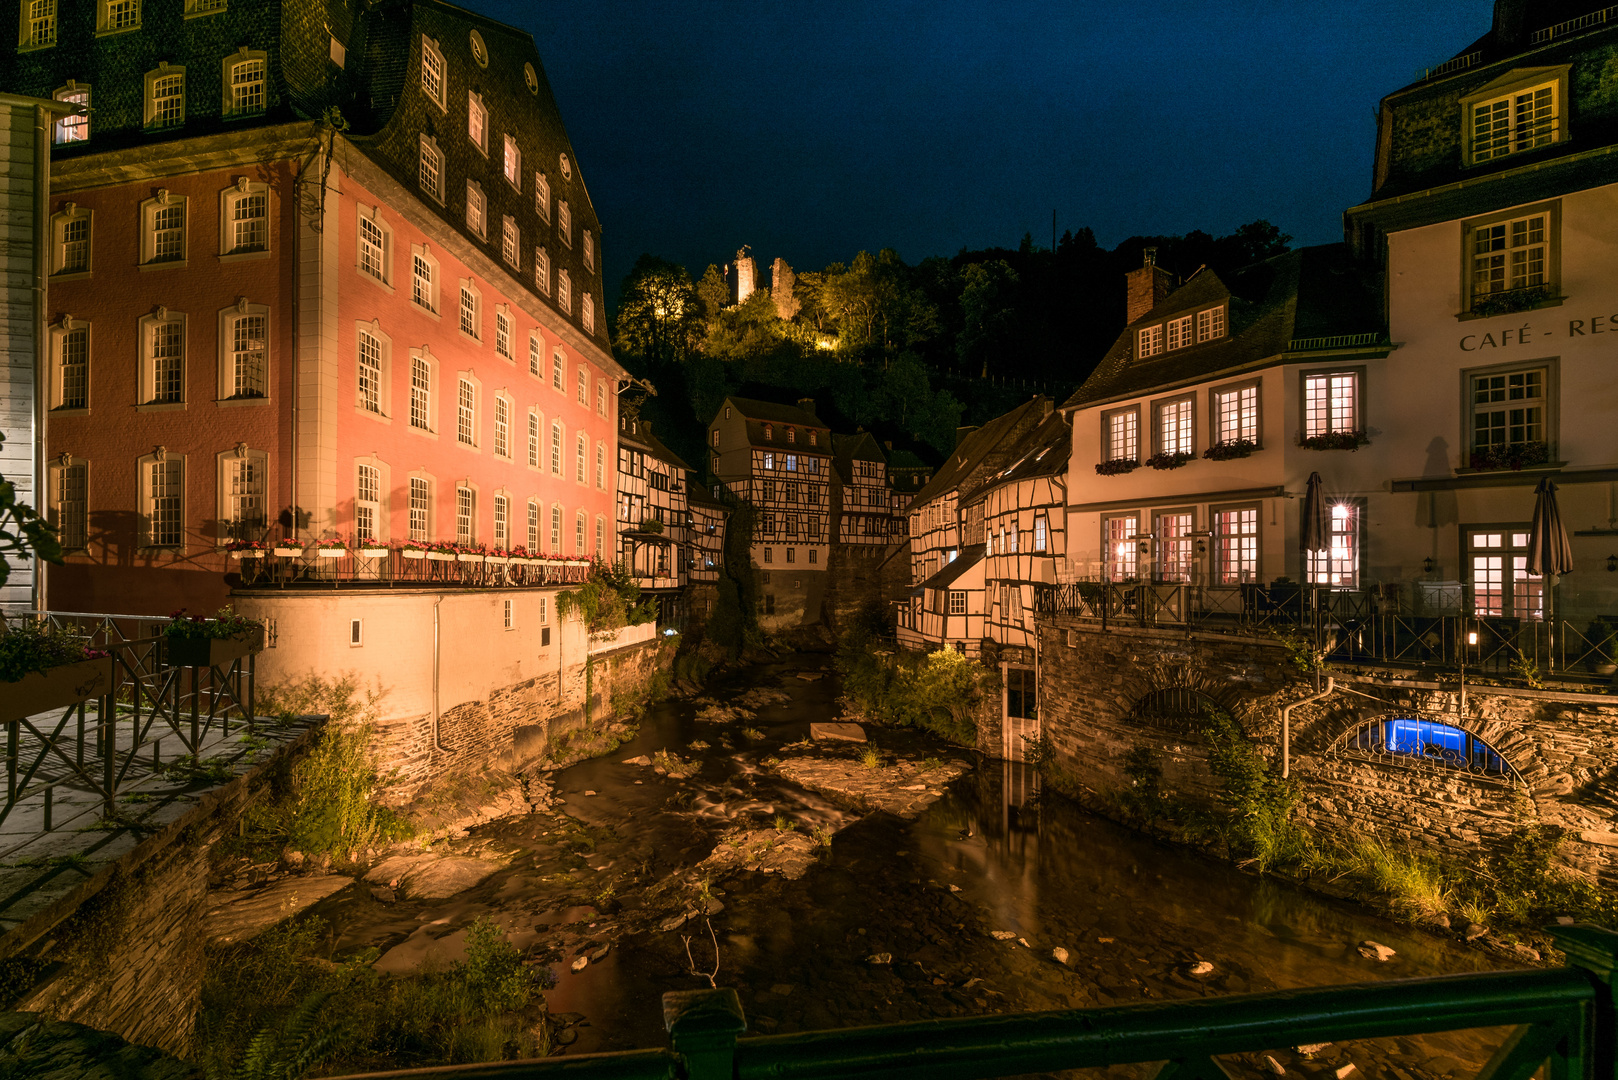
287, 549
196, 641
414, 549
331, 549
44, 669
1233, 448
1116, 467
1334, 440
1519, 455
1168, 461
372, 550
247, 549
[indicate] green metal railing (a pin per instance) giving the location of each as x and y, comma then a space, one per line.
1562, 1017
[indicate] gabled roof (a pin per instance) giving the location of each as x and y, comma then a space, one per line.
1042, 452
758, 413
969, 557
972, 450
639, 434
1315, 292
860, 446
697, 495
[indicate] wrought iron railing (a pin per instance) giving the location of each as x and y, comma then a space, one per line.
1341, 341
1573, 26
1421, 625
1562, 1018
1458, 63
401, 567
153, 698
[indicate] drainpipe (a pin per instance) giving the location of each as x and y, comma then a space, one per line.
437, 745
42, 214
1286, 725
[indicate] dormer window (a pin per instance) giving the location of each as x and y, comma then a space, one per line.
769, 433
792, 435
1150, 342
1210, 324
1520, 112
1179, 333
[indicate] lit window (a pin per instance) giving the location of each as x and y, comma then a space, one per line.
1331, 403
581, 451
74, 127
249, 352
1122, 430
465, 415
164, 483
419, 494
502, 427
513, 163
564, 291
502, 334
430, 171
1179, 333
367, 503
511, 241
1041, 532
72, 505
1174, 547
373, 249
1211, 324
1501, 584
1236, 414
1151, 342
533, 526
244, 84
39, 24
1175, 427
370, 374
421, 385
564, 222
502, 531
432, 71
1512, 123
243, 490
421, 281
465, 515
1119, 540
165, 98
534, 353
1510, 256
476, 209
471, 324
1508, 410
542, 270
1338, 565
477, 121
1236, 546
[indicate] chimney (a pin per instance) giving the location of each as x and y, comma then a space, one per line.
1510, 22
1148, 285
807, 404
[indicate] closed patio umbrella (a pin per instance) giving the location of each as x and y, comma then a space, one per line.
1316, 532
1550, 553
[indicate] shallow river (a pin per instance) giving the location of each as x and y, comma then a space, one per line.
1134, 914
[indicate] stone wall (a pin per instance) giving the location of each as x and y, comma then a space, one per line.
1560, 747
861, 574
125, 949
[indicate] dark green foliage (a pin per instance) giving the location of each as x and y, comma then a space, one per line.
1260, 828
36, 646
937, 692
24, 534
224, 623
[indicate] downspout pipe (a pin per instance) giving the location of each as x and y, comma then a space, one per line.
42, 214
437, 744
1286, 724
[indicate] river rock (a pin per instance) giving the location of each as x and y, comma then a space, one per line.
580, 964
843, 777
1524, 951
789, 853
1373, 950
879, 958
383, 895
1311, 1048
674, 922
1059, 954
836, 732
1345, 1072
1274, 1066
430, 876
641, 760
242, 916
1474, 931
601, 953
1201, 969
1002, 935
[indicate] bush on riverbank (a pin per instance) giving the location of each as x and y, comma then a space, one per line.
278, 1007
1515, 886
937, 692
326, 803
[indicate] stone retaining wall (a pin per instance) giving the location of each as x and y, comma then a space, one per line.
1562, 748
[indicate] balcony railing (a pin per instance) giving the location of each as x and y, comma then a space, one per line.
387, 567
1457, 64
1561, 1018
1423, 625
1573, 26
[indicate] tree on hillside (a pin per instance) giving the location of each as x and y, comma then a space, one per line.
659, 312
875, 304
989, 307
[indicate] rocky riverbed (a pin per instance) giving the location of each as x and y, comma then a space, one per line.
831, 889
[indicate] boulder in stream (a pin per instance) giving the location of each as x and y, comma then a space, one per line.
431, 876
836, 732
242, 916
1373, 950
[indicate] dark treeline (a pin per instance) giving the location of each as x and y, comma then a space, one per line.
908, 352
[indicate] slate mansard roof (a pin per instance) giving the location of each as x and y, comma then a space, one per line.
1312, 293
758, 413
376, 89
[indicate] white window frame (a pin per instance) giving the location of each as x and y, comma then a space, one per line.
70, 502
376, 404
504, 328
556, 529
165, 200
511, 163
433, 280
477, 122
172, 539
230, 200
378, 507
536, 439
466, 513
542, 270
557, 448
69, 217
510, 242
581, 458
469, 311
535, 519
1247, 397
601, 466
228, 320
467, 415
1514, 400
195, 8
1184, 407
1521, 111
433, 72
1177, 332
536, 354
1121, 445
1238, 553
587, 312
1505, 263
581, 525
60, 333
419, 507
582, 378
564, 222
164, 72
589, 241
373, 247
235, 104
564, 291
477, 210
73, 127
503, 408
1149, 341
542, 197
559, 370
1339, 565
147, 389
601, 397
117, 16
422, 416
430, 168
500, 533
1211, 323
37, 24
1324, 394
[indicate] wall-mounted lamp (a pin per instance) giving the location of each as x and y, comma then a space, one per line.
1429, 564
1471, 637
1145, 547
1612, 563
1202, 547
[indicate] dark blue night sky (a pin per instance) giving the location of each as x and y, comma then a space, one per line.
813, 129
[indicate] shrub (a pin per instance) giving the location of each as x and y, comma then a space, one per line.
37, 646
1260, 829
937, 692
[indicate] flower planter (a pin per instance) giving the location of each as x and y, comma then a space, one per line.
331, 553
246, 554
213, 652
55, 688
288, 552
375, 552
412, 553
462, 556
496, 560
441, 556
